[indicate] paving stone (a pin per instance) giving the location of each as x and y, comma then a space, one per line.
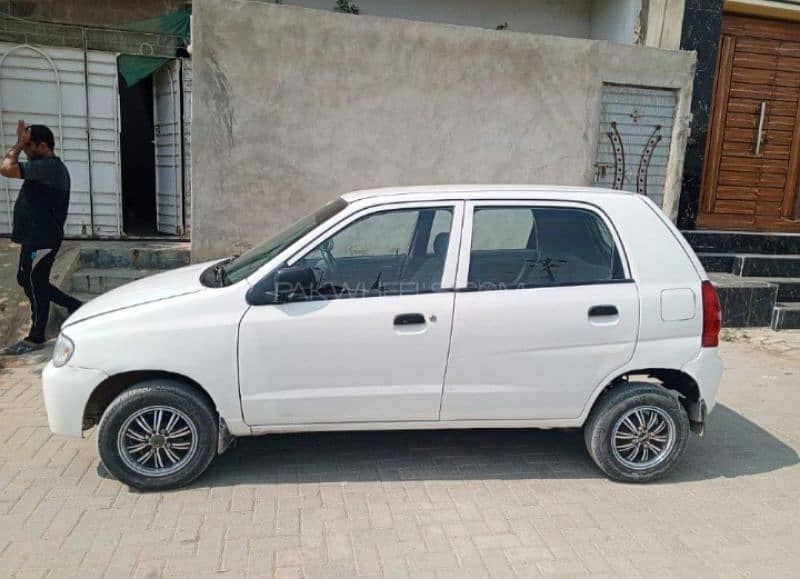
419, 504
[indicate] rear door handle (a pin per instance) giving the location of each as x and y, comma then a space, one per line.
605, 310
408, 319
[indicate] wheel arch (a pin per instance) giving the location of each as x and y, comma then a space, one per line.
680, 382
105, 392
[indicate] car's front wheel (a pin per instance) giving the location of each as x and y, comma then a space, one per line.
158, 434
637, 432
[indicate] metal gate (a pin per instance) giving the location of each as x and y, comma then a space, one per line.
168, 148
186, 82
74, 92
634, 139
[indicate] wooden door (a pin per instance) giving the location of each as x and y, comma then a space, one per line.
750, 177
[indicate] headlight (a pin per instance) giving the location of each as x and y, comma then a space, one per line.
63, 351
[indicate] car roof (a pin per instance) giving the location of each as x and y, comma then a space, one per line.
476, 191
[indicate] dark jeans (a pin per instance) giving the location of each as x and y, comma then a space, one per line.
34, 277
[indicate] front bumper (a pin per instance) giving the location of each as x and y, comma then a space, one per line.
66, 392
706, 370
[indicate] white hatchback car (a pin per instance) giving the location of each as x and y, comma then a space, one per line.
414, 308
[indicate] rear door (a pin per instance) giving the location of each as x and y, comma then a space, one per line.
167, 140
545, 310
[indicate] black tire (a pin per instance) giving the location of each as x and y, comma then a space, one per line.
612, 407
193, 412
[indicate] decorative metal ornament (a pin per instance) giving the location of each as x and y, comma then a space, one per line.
619, 156
644, 162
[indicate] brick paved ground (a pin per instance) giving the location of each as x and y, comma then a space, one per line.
421, 504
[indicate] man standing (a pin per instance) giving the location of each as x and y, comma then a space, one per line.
39, 216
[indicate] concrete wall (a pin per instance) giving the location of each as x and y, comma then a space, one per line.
663, 21
559, 17
293, 107
90, 12
615, 20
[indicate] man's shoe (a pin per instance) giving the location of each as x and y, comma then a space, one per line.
22, 347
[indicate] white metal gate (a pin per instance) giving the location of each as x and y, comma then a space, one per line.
48, 85
634, 139
167, 139
186, 80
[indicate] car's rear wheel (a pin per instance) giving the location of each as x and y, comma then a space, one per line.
158, 434
637, 432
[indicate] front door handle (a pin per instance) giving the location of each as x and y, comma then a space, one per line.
605, 310
409, 319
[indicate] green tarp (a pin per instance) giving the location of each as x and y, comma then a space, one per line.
134, 68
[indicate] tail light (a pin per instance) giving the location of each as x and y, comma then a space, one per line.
712, 316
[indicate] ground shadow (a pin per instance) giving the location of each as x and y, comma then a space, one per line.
732, 446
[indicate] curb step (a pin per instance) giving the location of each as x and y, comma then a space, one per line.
752, 264
738, 242
788, 287
717, 262
786, 316
96, 281
157, 257
746, 302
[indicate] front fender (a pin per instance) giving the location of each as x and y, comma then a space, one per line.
66, 391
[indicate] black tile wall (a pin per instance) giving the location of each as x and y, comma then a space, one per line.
702, 20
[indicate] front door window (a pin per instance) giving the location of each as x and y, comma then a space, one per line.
386, 253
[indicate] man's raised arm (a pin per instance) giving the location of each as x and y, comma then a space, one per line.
10, 166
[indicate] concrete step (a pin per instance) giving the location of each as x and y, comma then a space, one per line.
746, 302
757, 265
709, 241
786, 316
124, 255
95, 281
788, 287
752, 264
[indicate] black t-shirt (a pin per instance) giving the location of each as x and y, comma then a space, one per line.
41, 208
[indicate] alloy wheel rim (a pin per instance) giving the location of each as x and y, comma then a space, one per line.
643, 437
157, 441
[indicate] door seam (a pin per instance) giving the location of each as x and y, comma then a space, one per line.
453, 310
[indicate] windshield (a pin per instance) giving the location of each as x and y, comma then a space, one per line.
248, 262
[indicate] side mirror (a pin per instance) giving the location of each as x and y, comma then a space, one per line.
290, 281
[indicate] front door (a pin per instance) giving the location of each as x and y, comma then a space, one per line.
551, 312
371, 344
752, 164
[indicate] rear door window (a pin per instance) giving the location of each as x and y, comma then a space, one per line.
534, 246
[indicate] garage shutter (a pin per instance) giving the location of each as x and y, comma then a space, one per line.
47, 85
634, 139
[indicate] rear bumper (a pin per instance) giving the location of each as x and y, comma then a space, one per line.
66, 391
706, 370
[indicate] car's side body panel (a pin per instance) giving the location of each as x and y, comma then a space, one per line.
197, 335
66, 391
193, 335
344, 360
535, 353
659, 263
